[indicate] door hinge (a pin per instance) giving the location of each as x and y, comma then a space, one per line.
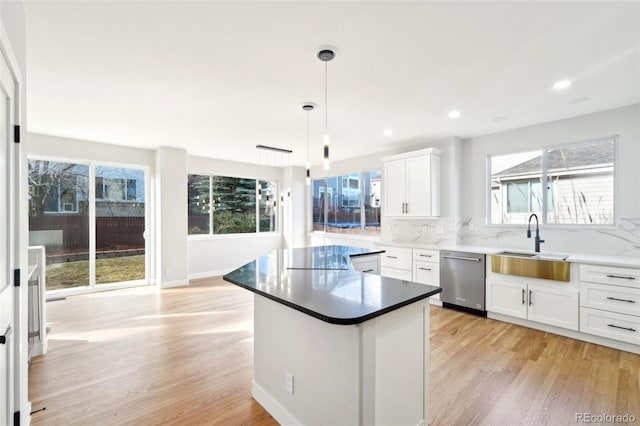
16, 134
16, 418
16, 277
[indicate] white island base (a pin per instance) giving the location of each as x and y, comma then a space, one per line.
372, 373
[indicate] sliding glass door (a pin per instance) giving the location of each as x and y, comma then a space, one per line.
91, 220
120, 218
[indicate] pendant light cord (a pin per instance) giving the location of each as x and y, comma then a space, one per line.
326, 103
307, 137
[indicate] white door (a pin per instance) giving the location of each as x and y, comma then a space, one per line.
507, 297
394, 188
418, 186
7, 323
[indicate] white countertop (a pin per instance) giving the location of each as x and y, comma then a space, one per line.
622, 261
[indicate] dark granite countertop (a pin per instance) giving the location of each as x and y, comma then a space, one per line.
320, 282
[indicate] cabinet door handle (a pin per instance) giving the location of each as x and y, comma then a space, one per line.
424, 269
392, 257
530, 297
424, 255
407, 209
5, 336
623, 277
368, 270
523, 302
403, 208
621, 300
622, 328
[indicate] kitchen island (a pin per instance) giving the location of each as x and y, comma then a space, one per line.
337, 346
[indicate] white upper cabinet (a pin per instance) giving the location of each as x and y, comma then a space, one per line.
412, 184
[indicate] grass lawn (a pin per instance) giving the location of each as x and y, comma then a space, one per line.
109, 270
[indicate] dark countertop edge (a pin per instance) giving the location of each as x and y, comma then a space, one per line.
333, 320
373, 251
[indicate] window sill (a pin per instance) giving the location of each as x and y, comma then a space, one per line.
344, 236
232, 236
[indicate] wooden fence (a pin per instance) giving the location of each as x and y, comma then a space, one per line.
112, 233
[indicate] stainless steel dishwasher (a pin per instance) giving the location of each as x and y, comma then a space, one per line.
462, 280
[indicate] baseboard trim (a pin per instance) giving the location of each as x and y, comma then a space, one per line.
216, 273
171, 284
623, 346
272, 406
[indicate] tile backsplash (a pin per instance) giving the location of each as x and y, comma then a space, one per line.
621, 240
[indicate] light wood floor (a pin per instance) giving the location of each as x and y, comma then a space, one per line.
184, 356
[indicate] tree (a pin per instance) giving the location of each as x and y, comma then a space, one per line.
52, 182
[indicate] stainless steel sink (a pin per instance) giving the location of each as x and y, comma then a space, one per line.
532, 265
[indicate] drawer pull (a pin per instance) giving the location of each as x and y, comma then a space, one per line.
622, 328
392, 257
368, 270
523, 302
424, 255
623, 277
424, 269
530, 297
621, 300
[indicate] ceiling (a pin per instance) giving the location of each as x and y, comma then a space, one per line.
218, 78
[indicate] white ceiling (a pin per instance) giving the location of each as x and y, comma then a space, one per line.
218, 78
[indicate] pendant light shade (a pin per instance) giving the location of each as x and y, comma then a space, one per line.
308, 107
325, 56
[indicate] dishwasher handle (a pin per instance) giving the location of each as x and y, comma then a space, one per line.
474, 259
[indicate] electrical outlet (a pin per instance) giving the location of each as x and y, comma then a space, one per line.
440, 229
471, 226
288, 382
424, 228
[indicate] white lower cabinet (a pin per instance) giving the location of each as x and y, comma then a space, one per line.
369, 263
395, 262
426, 270
547, 303
610, 302
612, 325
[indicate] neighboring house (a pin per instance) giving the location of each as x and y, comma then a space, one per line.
118, 192
580, 187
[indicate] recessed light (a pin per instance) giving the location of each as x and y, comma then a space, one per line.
499, 119
562, 84
579, 100
454, 114
388, 131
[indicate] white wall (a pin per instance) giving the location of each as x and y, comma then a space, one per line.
171, 217
217, 255
622, 239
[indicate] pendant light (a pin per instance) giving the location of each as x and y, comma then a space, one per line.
308, 107
325, 56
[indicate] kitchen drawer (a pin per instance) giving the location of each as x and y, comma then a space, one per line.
426, 255
628, 277
426, 273
368, 264
614, 298
400, 274
396, 257
621, 327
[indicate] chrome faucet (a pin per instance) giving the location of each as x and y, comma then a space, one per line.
537, 239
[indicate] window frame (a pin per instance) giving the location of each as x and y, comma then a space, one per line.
256, 233
543, 215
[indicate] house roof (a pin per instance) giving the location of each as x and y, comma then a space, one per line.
569, 158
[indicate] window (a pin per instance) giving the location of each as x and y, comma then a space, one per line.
348, 204
579, 179
229, 205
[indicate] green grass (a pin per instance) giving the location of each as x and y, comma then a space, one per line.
109, 270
